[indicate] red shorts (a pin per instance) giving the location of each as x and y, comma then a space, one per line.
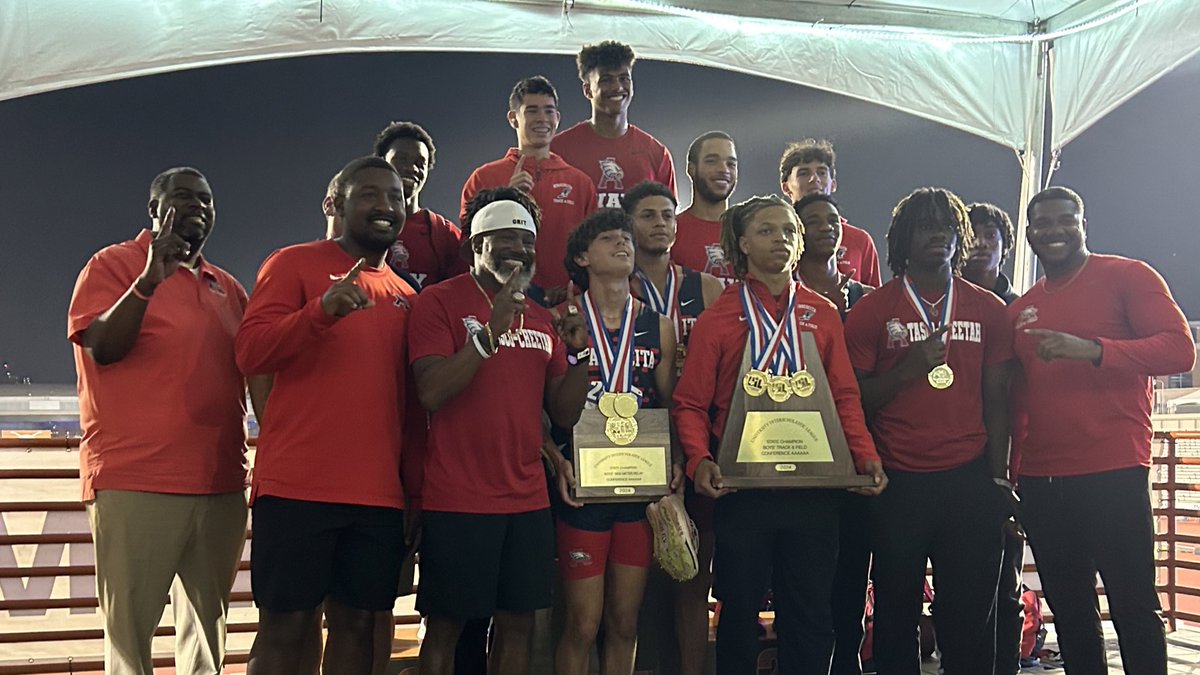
583, 554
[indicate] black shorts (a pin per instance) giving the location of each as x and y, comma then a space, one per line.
474, 564
304, 551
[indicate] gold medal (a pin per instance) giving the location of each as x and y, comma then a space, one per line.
941, 377
607, 404
625, 405
779, 388
621, 430
754, 382
803, 383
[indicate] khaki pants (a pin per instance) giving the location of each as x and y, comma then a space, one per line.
143, 542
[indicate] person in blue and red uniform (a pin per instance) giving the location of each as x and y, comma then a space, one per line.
615, 154
782, 539
328, 499
1089, 336
931, 352
428, 245
680, 294
605, 550
487, 363
563, 193
712, 167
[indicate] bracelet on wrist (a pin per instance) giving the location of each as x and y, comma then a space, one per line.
582, 356
479, 347
491, 338
137, 293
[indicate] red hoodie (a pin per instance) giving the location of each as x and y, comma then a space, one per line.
565, 195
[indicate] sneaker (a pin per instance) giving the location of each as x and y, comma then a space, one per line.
675, 538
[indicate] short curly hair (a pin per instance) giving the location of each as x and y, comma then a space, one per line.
803, 152
607, 54
920, 207
581, 237
646, 188
982, 214
397, 130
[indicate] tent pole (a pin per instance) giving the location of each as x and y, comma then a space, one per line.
1032, 161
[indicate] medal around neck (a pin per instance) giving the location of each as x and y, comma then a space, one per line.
941, 377
621, 451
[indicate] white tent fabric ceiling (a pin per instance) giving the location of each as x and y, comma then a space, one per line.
968, 64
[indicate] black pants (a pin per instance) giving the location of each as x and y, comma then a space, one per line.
1010, 613
1101, 522
952, 518
850, 584
786, 541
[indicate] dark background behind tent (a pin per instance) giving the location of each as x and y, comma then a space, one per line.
75, 164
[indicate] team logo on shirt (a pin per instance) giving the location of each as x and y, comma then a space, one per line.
716, 264
399, 256
472, 325
611, 175
897, 334
1027, 316
806, 312
564, 194
841, 252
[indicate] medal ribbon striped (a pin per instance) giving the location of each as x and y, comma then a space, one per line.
668, 306
918, 304
616, 367
770, 342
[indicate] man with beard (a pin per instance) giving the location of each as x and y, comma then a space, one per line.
427, 247
163, 457
563, 193
1089, 336
809, 166
487, 364
712, 168
329, 320
931, 352
615, 154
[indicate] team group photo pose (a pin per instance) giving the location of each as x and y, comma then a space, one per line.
592, 395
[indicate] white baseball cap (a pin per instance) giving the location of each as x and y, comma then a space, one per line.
502, 215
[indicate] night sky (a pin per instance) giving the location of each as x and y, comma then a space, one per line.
75, 165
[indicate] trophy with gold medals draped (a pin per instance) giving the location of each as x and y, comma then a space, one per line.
783, 429
622, 451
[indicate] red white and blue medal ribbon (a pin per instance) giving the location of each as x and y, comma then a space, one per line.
667, 306
616, 365
774, 346
919, 304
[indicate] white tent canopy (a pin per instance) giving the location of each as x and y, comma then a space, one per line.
988, 70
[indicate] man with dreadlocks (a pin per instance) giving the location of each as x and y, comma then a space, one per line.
931, 352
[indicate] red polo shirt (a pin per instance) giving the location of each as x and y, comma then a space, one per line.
484, 451
170, 416
715, 358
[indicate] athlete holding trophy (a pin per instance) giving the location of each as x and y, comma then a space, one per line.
769, 362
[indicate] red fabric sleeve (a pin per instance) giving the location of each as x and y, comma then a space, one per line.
870, 261
429, 330
279, 322
1163, 345
999, 347
474, 184
450, 243
860, 330
665, 173
846, 396
98, 288
696, 390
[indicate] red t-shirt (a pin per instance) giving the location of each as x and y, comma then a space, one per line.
483, 454
334, 420
428, 248
565, 195
615, 164
1083, 418
715, 358
170, 416
924, 429
698, 246
857, 256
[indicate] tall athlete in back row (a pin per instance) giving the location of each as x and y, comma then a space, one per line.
614, 153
